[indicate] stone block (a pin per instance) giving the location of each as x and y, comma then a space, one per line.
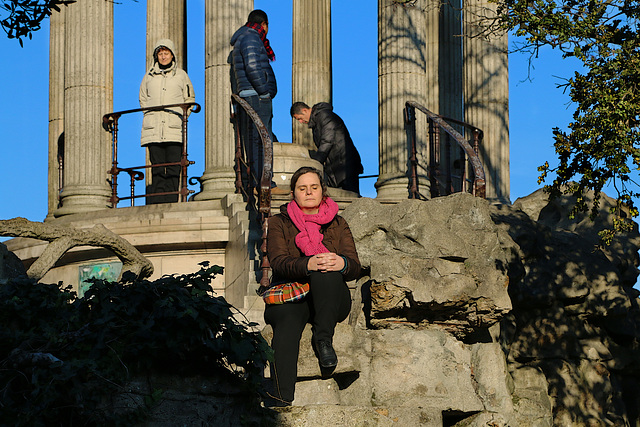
432, 262
354, 416
422, 368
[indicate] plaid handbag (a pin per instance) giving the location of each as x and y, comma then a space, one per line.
285, 292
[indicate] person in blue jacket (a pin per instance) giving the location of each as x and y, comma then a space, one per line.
252, 78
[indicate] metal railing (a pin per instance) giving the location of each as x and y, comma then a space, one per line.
442, 174
110, 124
245, 180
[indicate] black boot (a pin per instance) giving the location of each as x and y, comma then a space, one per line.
326, 354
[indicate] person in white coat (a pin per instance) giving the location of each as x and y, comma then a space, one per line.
164, 84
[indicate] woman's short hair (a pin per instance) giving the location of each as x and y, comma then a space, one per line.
306, 169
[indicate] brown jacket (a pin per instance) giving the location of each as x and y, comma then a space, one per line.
287, 260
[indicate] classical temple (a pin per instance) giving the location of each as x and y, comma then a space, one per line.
431, 53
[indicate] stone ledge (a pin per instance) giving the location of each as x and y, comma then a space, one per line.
355, 416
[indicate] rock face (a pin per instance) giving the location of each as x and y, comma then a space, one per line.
471, 314
576, 317
434, 340
424, 270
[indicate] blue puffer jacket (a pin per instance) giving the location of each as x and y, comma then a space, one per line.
250, 67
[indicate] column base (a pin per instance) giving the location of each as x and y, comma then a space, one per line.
83, 198
392, 186
288, 158
216, 183
397, 187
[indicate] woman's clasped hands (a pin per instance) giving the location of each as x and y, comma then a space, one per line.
326, 262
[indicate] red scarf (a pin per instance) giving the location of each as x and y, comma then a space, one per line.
309, 240
263, 37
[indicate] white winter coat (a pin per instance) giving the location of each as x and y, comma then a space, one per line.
163, 87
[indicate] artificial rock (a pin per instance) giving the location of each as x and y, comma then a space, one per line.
472, 314
432, 263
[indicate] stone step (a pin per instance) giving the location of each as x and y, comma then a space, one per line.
357, 416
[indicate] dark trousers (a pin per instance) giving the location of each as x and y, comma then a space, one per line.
251, 137
350, 183
328, 303
165, 178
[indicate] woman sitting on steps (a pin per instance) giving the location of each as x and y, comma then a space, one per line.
308, 242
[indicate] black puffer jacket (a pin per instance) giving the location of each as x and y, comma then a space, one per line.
335, 147
250, 67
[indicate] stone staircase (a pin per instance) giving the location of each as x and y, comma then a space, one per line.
345, 398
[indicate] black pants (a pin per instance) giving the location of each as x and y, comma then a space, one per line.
350, 183
166, 178
328, 303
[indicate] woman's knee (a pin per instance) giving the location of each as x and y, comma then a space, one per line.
328, 280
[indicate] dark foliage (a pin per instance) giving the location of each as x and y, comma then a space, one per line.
20, 18
62, 357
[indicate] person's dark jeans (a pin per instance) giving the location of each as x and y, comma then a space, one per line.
328, 303
351, 183
251, 137
166, 178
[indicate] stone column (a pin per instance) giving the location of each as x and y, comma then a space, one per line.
222, 19
450, 82
486, 96
311, 61
56, 106
443, 54
166, 19
401, 71
450, 60
432, 55
433, 76
88, 95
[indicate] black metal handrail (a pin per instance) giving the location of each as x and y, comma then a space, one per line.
468, 155
264, 192
110, 124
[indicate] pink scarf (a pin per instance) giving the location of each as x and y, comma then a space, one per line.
309, 240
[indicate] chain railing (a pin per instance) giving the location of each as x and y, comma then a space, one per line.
245, 181
110, 124
442, 174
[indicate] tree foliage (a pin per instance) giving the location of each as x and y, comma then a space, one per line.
601, 146
63, 358
20, 18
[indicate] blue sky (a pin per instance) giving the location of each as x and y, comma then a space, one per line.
536, 105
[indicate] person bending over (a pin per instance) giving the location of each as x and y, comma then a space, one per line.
336, 151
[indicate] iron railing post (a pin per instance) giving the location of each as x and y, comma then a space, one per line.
264, 193
410, 122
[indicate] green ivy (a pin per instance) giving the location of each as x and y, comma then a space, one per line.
63, 357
